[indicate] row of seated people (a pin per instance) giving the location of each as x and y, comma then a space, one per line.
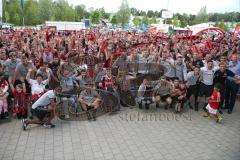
163, 91
28, 89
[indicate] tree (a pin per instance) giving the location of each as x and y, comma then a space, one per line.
142, 13
14, 12
95, 16
63, 11
104, 14
16, 19
124, 13
222, 25
153, 20
150, 13
136, 21
45, 10
202, 16
114, 20
31, 12
7, 18
82, 12
145, 20
176, 22
134, 11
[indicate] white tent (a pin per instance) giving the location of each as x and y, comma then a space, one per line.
198, 27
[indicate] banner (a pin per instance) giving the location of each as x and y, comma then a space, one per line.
167, 14
236, 34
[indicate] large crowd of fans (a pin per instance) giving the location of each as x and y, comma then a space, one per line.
39, 64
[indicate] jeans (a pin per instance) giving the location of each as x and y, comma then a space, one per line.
67, 102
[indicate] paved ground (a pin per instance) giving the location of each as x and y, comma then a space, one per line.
132, 134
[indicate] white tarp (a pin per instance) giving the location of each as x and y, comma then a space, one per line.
66, 25
198, 27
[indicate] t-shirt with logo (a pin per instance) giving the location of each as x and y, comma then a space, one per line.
207, 76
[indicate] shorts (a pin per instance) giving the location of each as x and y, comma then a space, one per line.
165, 97
171, 78
192, 90
41, 112
205, 90
175, 99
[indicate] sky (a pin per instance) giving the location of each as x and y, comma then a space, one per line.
180, 6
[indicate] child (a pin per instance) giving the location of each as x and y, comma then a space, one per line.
213, 104
3, 98
180, 96
20, 100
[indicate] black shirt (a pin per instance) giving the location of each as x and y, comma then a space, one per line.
198, 63
221, 77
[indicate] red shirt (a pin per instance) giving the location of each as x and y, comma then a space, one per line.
216, 97
21, 98
107, 83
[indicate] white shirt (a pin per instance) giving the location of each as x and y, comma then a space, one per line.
215, 64
170, 70
36, 87
45, 99
192, 78
207, 75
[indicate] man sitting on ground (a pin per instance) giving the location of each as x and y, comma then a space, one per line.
162, 91
89, 98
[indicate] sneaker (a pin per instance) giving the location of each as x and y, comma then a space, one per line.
67, 116
220, 111
229, 111
24, 124
140, 105
6, 115
94, 115
219, 120
190, 106
147, 106
166, 107
196, 106
88, 116
49, 125
205, 115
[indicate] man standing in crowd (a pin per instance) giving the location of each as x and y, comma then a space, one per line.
232, 85
181, 69
11, 64
169, 62
193, 86
196, 61
220, 76
22, 70
206, 85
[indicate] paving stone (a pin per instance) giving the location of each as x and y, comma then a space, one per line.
115, 137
